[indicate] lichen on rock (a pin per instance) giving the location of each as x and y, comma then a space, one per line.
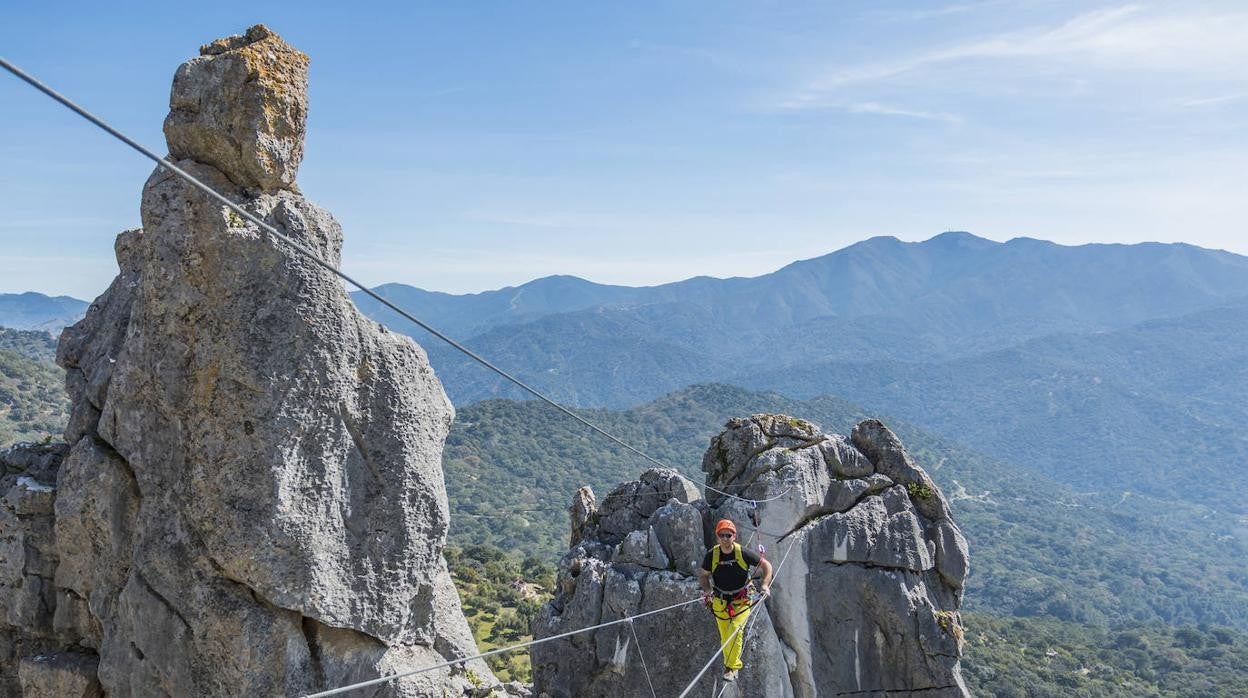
242, 106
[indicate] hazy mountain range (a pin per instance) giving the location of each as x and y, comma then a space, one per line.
1149, 408
955, 295
35, 311
956, 290
1118, 368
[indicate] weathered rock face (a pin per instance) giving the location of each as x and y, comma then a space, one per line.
28, 559
867, 591
60, 675
241, 107
252, 502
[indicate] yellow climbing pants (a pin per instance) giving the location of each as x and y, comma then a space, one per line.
727, 626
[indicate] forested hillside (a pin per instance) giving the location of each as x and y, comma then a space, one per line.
1046, 658
33, 344
1144, 409
33, 404
1039, 547
1117, 370
35, 311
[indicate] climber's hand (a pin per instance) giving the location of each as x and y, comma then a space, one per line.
706, 599
764, 593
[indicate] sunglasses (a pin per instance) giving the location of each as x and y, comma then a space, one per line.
726, 535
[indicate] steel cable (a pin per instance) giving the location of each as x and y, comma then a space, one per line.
501, 650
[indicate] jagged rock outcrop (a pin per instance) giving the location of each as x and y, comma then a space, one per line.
866, 598
252, 500
28, 559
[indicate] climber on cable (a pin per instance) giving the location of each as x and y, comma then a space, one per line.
725, 582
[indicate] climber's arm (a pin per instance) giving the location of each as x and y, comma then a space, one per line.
765, 566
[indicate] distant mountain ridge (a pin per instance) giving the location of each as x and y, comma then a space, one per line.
954, 282
955, 295
1136, 401
35, 311
1117, 368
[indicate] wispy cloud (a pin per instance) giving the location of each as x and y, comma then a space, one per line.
886, 110
1199, 102
1124, 38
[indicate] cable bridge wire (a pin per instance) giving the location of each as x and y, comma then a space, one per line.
642, 656
522, 645
311, 255
501, 650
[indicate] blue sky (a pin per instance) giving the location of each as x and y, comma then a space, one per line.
467, 146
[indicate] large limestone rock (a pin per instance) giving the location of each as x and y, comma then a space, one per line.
865, 601
252, 501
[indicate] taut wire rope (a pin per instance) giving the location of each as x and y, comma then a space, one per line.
316, 259
500, 650
642, 655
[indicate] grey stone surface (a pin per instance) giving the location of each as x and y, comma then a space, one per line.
253, 503
642, 548
679, 529
879, 444
953, 559
843, 459
612, 661
844, 494
96, 510
241, 107
867, 592
583, 505
60, 675
38, 461
625, 508
28, 557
